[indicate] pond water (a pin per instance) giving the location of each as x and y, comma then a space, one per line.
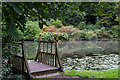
101, 62
74, 55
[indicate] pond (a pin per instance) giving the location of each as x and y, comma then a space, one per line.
83, 55
101, 62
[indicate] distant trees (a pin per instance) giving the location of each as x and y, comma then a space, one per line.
70, 13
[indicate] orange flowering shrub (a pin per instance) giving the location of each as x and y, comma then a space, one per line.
49, 29
90, 33
52, 29
68, 29
45, 28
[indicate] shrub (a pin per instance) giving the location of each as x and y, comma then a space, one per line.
89, 34
80, 35
93, 37
31, 29
9, 49
76, 35
102, 29
110, 33
51, 36
45, 28
57, 23
7, 74
81, 25
68, 29
103, 33
52, 29
98, 33
92, 27
115, 30
49, 29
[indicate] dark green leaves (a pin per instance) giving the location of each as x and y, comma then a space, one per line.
16, 8
103, 4
11, 30
40, 25
99, 11
66, 12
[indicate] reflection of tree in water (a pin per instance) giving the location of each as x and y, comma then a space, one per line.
88, 47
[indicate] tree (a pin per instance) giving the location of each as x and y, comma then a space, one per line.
20, 12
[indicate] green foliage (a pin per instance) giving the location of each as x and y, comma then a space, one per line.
93, 27
112, 73
68, 13
57, 23
9, 49
8, 75
83, 26
103, 29
51, 36
115, 28
7, 43
19, 12
86, 33
16, 8
74, 17
31, 29
93, 37
68, 29
80, 35
49, 29
14, 19
47, 11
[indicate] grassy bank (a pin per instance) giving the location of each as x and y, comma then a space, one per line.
112, 73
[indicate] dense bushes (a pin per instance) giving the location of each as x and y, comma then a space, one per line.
51, 36
69, 30
83, 26
31, 29
9, 49
82, 32
49, 33
7, 74
57, 23
98, 31
49, 29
